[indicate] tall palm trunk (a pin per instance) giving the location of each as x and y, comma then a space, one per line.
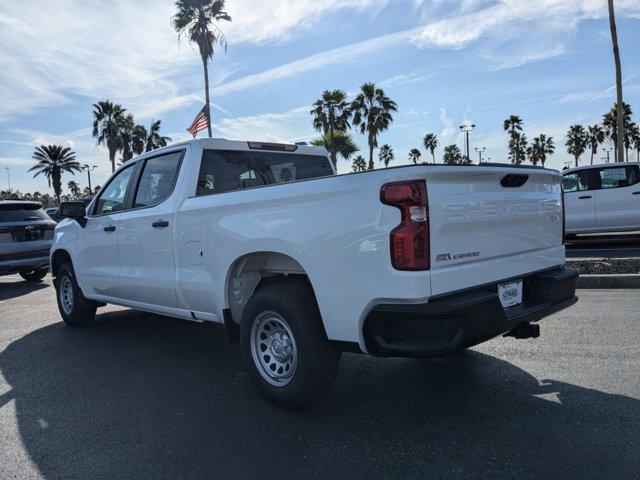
616, 57
57, 185
332, 147
371, 164
112, 158
433, 156
592, 157
206, 92
577, 156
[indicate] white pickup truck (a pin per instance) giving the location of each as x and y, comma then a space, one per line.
301, 264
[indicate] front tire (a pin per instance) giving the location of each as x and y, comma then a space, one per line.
34, 275
74, 308
284, 346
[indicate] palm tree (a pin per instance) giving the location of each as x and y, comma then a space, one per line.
577, 141
547, 147
74, 188
331, 114
154, 139
452, 155
196, 18
107, 125
53, 161
138, 139
414, 155
386, 155
541, 146
610, 124
619, 103
127, 125
595, 135
633, 134
517, 148
342, 144
372, 113
517, 144
512, 125
430, 142
359, 164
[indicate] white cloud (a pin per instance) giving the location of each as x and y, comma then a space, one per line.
448, 132
276, 21
515, 17
516, 32
287, 127
316, 61
404, 79
127, 51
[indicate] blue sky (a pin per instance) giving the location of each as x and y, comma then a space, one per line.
444, 62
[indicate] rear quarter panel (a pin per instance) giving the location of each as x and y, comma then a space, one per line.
336, 228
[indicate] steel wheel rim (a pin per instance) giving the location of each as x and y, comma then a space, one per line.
273, 348
66, 295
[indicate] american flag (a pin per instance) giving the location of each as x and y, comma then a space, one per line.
201, 122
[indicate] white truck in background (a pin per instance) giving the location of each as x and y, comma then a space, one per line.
301, 264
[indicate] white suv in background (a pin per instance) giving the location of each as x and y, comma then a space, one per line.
602, 198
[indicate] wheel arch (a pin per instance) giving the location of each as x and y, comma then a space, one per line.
253, 270
59, 258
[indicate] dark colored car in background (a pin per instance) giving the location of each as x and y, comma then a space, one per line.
26, 232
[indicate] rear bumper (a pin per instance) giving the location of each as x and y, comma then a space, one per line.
17, 262
464, 319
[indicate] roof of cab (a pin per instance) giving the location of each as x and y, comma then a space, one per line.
224, 144
599, 165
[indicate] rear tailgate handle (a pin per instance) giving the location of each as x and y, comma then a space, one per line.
583, 197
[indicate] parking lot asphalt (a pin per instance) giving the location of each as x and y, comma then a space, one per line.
142, 396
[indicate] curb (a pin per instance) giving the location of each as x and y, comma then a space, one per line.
629, 280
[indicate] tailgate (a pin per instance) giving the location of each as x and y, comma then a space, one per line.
492, 223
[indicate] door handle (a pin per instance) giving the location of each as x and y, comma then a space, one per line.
636, 193
160, 224
584, 197
110, 228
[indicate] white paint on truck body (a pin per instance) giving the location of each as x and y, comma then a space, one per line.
334, 227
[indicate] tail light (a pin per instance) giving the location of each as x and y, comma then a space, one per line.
409, 240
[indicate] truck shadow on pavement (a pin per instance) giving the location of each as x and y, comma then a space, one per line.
141, 396
14, 289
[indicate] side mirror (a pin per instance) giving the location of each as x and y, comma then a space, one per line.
75, 211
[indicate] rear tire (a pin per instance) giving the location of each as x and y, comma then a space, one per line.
74, 308
35, 275
284, 346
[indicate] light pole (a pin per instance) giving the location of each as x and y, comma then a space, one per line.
8, 178
480, 152
466, 128
89, 169
607, 150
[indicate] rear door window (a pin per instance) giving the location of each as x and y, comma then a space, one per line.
616, 177
227, 170
157, 180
